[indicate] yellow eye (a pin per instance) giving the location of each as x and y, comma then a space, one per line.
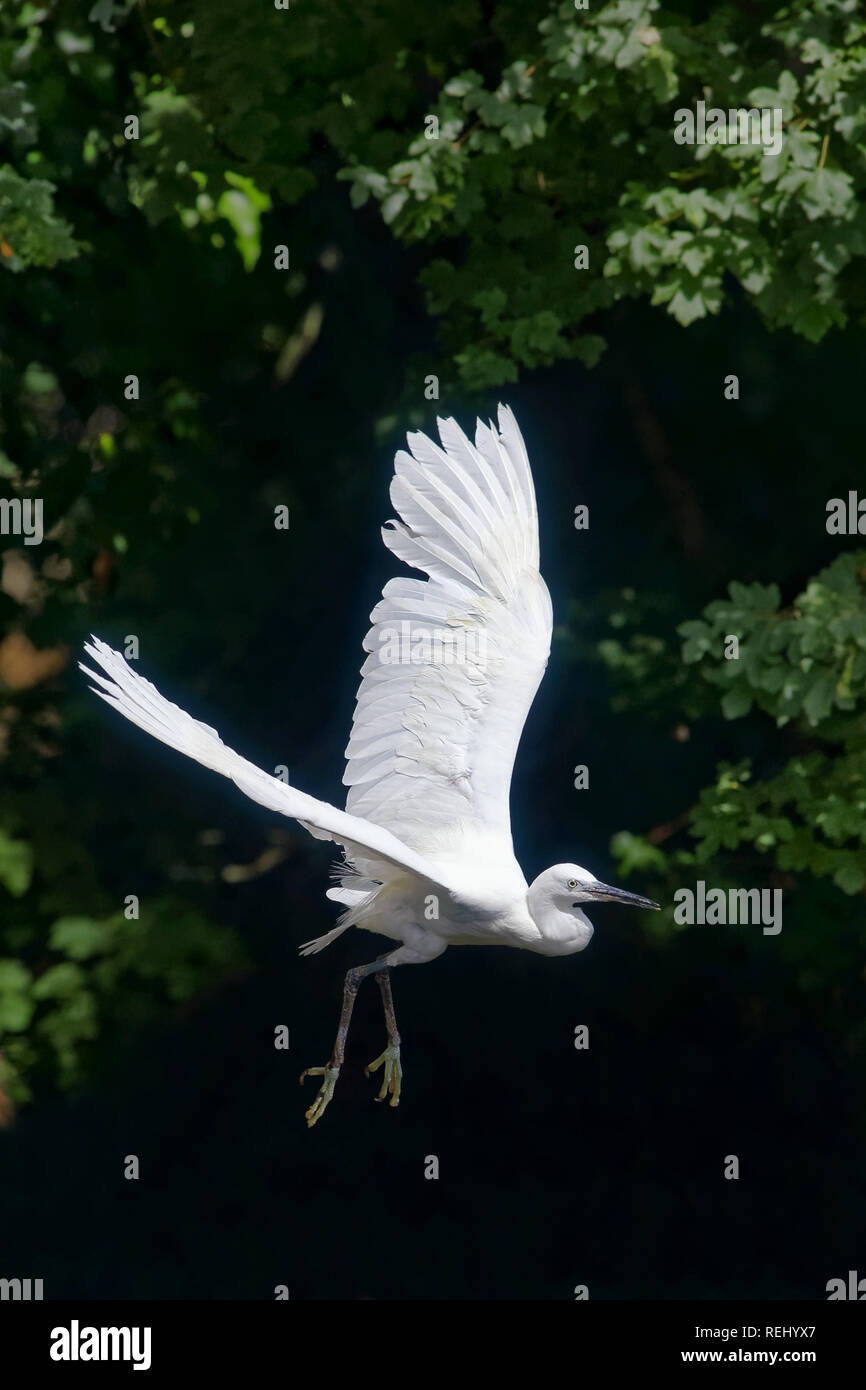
572, 883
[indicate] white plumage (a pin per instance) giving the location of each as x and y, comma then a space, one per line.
453, 665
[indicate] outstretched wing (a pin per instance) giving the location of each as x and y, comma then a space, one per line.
382, 854
455, 660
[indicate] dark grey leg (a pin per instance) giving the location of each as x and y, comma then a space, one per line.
332, 1070
392, 1076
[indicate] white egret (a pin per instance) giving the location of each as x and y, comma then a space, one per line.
453, 665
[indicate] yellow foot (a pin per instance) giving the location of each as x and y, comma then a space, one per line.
393, 1075
320, 1104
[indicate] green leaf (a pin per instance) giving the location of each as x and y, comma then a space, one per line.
634, 852
818, 700
828, 193
16, 865
81, 937
59, 982
851, 878
737, 702
16, 1003
686, 308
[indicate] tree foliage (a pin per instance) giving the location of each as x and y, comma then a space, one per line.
803, 666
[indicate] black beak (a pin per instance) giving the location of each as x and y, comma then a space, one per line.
606, 894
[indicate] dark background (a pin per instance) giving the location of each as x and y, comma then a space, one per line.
557, 1167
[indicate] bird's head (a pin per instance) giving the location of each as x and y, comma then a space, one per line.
555, 900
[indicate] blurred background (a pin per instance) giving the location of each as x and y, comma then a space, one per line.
432, 270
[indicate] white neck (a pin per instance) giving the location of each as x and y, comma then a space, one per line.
562, 932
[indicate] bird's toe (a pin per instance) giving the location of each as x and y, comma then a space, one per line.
392, 1075
326, 1091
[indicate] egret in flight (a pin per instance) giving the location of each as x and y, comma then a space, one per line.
453, 665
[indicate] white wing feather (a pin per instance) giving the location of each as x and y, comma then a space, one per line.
433, 741
141, 702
